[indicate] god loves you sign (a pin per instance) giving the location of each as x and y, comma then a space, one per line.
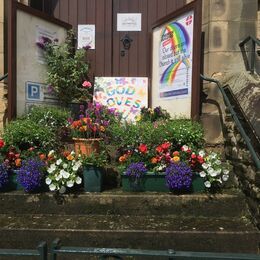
126, 94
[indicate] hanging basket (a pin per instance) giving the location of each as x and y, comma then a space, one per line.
86, 146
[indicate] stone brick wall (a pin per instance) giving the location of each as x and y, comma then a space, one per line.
244, 168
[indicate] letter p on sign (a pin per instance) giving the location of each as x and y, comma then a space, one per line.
33, 91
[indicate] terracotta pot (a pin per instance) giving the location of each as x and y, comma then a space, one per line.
86, 146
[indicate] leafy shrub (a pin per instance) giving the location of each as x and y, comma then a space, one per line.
25, 133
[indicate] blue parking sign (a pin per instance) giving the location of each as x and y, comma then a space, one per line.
33, 91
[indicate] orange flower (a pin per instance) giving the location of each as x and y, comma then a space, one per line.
66, 153
159, 149
154, 160
102, 128
70, 157
122, 158
176, 153
175, 159
42, 156
83, 128
18, 162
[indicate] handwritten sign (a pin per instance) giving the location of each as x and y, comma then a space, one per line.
175, 58
126, 94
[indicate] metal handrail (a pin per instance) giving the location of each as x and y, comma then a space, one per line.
243, 50
118, 253
41, 251
4, 77
237, 122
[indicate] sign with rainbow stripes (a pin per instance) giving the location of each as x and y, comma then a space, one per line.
175, 58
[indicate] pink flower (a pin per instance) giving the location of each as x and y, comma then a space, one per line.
86, 84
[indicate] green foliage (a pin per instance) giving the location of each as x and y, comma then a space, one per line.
98, 160
178, 132
66, 70
25, 133
52, 117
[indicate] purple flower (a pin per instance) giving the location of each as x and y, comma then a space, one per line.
30, 174
50, 88
178, 176
136, 170
87, 47
3, 176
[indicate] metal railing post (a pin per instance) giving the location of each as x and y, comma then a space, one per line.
55, 245
43, 251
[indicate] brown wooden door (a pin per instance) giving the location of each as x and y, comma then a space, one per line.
106, 59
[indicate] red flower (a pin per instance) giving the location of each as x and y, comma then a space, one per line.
2, 143
176, 153
193, 156
143, 148
159, 149
165, 146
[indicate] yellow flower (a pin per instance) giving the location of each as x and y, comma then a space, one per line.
138, 118
175, 159
102, 128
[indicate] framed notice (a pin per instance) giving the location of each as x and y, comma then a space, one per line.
125, 94
176, 50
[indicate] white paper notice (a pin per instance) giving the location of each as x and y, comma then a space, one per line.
86, 36
129, 22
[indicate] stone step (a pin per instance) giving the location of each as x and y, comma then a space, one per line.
214, 234
230, 204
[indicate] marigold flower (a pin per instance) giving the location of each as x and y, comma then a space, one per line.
154, 160
18, 162
86, 84
122, 158
175, 159
70, 157
143, 148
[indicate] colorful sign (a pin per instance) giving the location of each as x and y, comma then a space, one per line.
126, 94
175, 58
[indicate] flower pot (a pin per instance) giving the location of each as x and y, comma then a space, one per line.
156, 182
13, 184
92, 179
86, 146
149, 182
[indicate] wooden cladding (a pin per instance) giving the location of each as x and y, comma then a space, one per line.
106, 59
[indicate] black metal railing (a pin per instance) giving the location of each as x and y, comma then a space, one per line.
119, 253
250, 66
40, 252
237, 122
4, 77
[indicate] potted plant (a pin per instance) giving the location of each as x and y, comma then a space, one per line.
63, 171
67, 69
90, 127
93, 167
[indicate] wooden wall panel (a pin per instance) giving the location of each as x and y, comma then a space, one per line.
106, 59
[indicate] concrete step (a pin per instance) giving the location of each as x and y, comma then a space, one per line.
216, 234
231, 204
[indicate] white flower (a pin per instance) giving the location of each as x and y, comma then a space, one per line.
65, 165
202, 174
51, 153
185, 148
58, 162
75, 168
78, 180
213, 173
52, 187
225, 177
48, 181
225, 172
205, 166
70, 183
78, 163
72, 153
219, 180
218, 162
57, 177
64, 174
202, 153
207, 184
210, 170
51, 169
218, 171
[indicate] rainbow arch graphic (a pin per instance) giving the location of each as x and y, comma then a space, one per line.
176, 35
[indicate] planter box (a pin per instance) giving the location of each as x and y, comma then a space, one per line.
156, 182
92, 179
13, 184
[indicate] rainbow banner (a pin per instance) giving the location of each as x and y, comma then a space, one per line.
175, 58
